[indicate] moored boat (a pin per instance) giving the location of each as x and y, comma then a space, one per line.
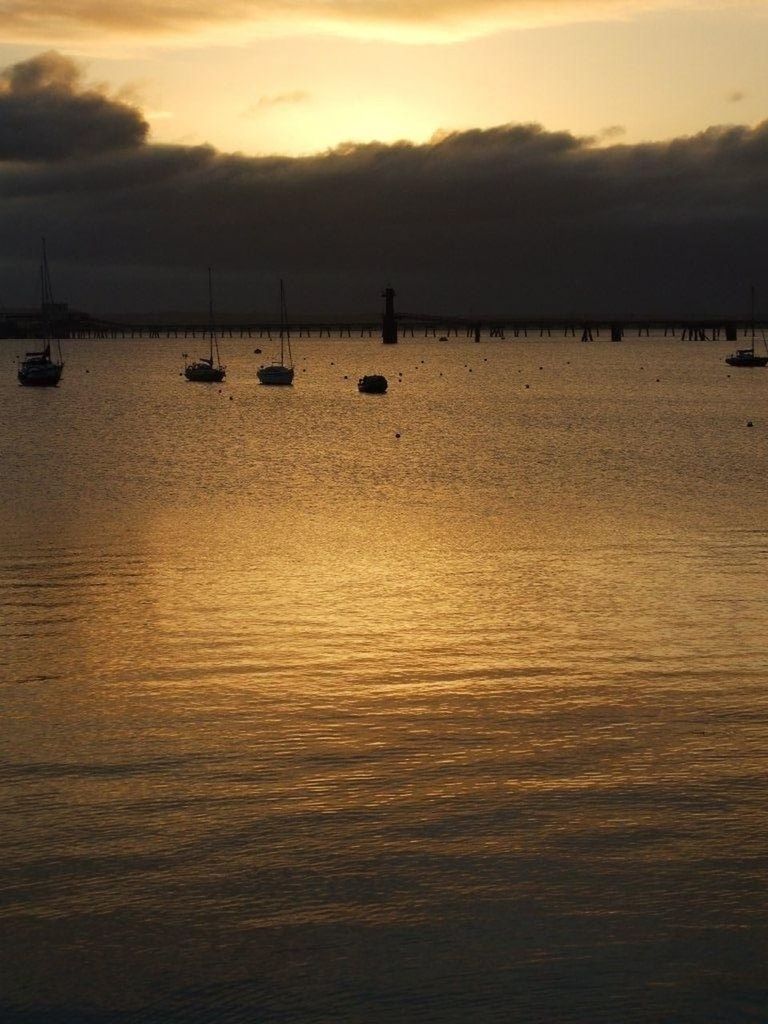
280, 372
205, 371
208, 370
39, 369
372, 384
746, 357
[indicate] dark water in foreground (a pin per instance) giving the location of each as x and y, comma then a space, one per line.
303, 722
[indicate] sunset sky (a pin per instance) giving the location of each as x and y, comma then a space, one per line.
271, 78
265, 76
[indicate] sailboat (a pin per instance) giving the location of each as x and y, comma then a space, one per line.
748, 356
280, 373
206, 369
38, 369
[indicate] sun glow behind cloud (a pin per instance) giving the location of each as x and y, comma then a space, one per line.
307, 128
248, 76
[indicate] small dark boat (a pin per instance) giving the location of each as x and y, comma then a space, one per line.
207, 370
372, 384
746, 357
38, 369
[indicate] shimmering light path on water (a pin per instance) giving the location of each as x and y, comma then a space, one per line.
304, 722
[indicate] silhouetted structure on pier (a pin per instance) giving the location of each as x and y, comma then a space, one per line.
389, 323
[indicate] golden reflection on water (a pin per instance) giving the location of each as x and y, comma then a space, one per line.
307, 721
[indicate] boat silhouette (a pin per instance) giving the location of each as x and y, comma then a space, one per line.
38, 369
208, 370
280, 372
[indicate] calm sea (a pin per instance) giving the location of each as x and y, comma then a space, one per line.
305, 721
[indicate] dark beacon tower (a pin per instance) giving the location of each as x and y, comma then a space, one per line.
389, 323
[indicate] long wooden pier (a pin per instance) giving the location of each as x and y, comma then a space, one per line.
413, 325
391, 326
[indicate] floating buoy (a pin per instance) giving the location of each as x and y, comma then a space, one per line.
750, 423
257, 351
527, 385
396, 434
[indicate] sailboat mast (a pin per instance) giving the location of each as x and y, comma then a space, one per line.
210, 312
47, 289
46, 299
282, 321
285, 331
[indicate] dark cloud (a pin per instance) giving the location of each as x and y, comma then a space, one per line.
513, 219
612, 132
47, 114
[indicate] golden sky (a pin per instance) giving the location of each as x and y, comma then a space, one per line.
301, 76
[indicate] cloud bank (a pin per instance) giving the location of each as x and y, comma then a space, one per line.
404, 20
512, 219
46, 114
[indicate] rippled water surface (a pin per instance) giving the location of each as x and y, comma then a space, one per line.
307, 722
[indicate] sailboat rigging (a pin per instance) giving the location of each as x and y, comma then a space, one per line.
748, 356
280, 372
207, 369
38, 369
